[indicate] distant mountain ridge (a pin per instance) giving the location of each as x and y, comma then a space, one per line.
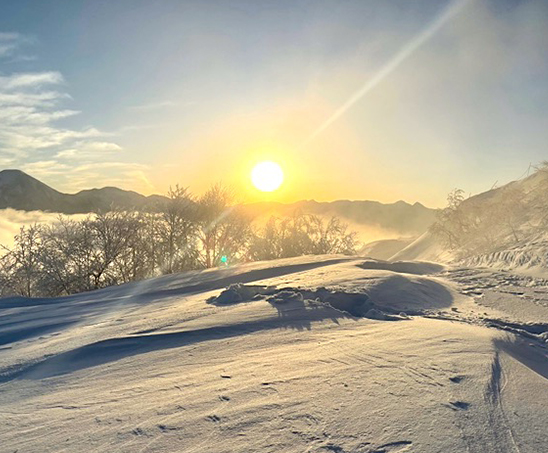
400, 217
21, 191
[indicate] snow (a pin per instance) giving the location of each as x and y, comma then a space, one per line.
310, 354
384, 249
512, 234
425, 247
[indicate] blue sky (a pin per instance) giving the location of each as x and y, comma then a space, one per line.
144, 94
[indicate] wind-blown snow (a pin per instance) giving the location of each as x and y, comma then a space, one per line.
312, 354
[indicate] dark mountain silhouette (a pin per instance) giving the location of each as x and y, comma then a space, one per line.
23, 192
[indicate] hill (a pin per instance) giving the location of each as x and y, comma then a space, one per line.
21, 191
384, 249
506, 227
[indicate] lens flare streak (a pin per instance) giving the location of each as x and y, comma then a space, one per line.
389, 67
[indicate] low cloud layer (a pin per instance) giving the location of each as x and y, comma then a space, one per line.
11, 221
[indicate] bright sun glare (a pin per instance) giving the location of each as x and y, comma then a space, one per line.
267, 176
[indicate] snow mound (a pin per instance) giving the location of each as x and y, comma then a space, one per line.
238, 292
285, 296
355, 304
385, 248
426, 247
400, 293
404, 267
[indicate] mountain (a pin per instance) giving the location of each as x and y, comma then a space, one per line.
400, 218
23, 192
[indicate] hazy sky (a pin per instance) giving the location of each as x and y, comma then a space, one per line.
143, 94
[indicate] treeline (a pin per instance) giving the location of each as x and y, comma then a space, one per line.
185, 233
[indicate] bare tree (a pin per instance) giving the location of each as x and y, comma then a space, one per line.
265, 243
331, 237
223, 230
512, 211
66, 256
118, 246
302, 234
22, 262
177, 229
452, 224
112, 233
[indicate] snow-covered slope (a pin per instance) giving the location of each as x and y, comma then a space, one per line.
385, 248
507, 228
425, 247
312, 354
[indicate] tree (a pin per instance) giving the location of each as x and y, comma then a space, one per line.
331, 237
66, 257
223, 230
22, 262
301, 234
177, 230
265, 243
451, 223
511, 211
112, 233
108, 248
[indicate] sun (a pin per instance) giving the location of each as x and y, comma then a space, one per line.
267, 176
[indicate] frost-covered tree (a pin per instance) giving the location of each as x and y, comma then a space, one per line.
223, 230
451, 224
177, 229
301, 234
22, 262
66, 257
